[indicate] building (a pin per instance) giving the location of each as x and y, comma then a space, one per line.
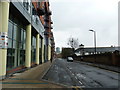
52, 46
91, 50
57, 50
26, 38
66, 52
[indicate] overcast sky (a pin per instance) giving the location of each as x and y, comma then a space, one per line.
75, 18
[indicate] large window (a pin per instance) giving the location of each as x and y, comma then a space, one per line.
10, 26
22, 47
10, 57
16, 45
33, 49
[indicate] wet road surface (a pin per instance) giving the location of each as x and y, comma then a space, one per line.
78, 74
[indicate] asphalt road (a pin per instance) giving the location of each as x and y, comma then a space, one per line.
78, 74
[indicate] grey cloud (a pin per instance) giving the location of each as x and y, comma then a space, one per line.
77, 18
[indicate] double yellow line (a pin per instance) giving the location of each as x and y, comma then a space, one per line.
77, 88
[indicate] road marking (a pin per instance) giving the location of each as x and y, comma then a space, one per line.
78, 87
81, 89
80, 75
55, 71
80, 82
75, 77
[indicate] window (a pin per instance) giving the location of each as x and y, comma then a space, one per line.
33, 51
9, 43
16, 45
15, 32
22, 48
10, 28
27, 5
24, 39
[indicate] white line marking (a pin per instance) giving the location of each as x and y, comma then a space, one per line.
75, 77
80, 82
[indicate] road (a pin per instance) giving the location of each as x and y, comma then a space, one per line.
78, 74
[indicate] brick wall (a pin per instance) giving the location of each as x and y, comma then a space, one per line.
108, 59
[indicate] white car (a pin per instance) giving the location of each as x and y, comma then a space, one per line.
70, 59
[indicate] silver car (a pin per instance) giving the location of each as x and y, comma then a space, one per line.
70, 59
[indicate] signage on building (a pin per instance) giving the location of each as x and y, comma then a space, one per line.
3, 40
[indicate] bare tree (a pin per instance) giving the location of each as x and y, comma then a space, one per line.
73, 42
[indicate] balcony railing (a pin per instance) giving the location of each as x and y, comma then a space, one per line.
46, 26
46, 19
40, 11
49, 13
51, 22
51, 27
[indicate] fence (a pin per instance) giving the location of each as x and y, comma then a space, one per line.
106, 58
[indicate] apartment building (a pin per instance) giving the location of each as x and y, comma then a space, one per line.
26, 38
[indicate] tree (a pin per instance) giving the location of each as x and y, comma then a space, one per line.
73, 42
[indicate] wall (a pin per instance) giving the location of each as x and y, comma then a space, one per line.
107, 58
66, 52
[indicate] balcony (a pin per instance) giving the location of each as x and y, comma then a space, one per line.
52, 38
40, 11
46, 19
46, 26
45, 33
51, 22
51, 27
49, 13
34, 12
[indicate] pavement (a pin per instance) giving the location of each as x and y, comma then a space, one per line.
31, 78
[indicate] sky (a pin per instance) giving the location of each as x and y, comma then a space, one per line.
74, 18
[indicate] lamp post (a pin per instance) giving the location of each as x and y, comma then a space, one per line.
72, 46
94, 40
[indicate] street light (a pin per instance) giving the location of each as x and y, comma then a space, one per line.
94, 39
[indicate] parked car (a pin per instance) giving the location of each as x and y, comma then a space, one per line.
70, 59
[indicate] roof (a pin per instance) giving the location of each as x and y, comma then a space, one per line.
98, 49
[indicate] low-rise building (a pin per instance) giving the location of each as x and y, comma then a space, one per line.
91, 50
